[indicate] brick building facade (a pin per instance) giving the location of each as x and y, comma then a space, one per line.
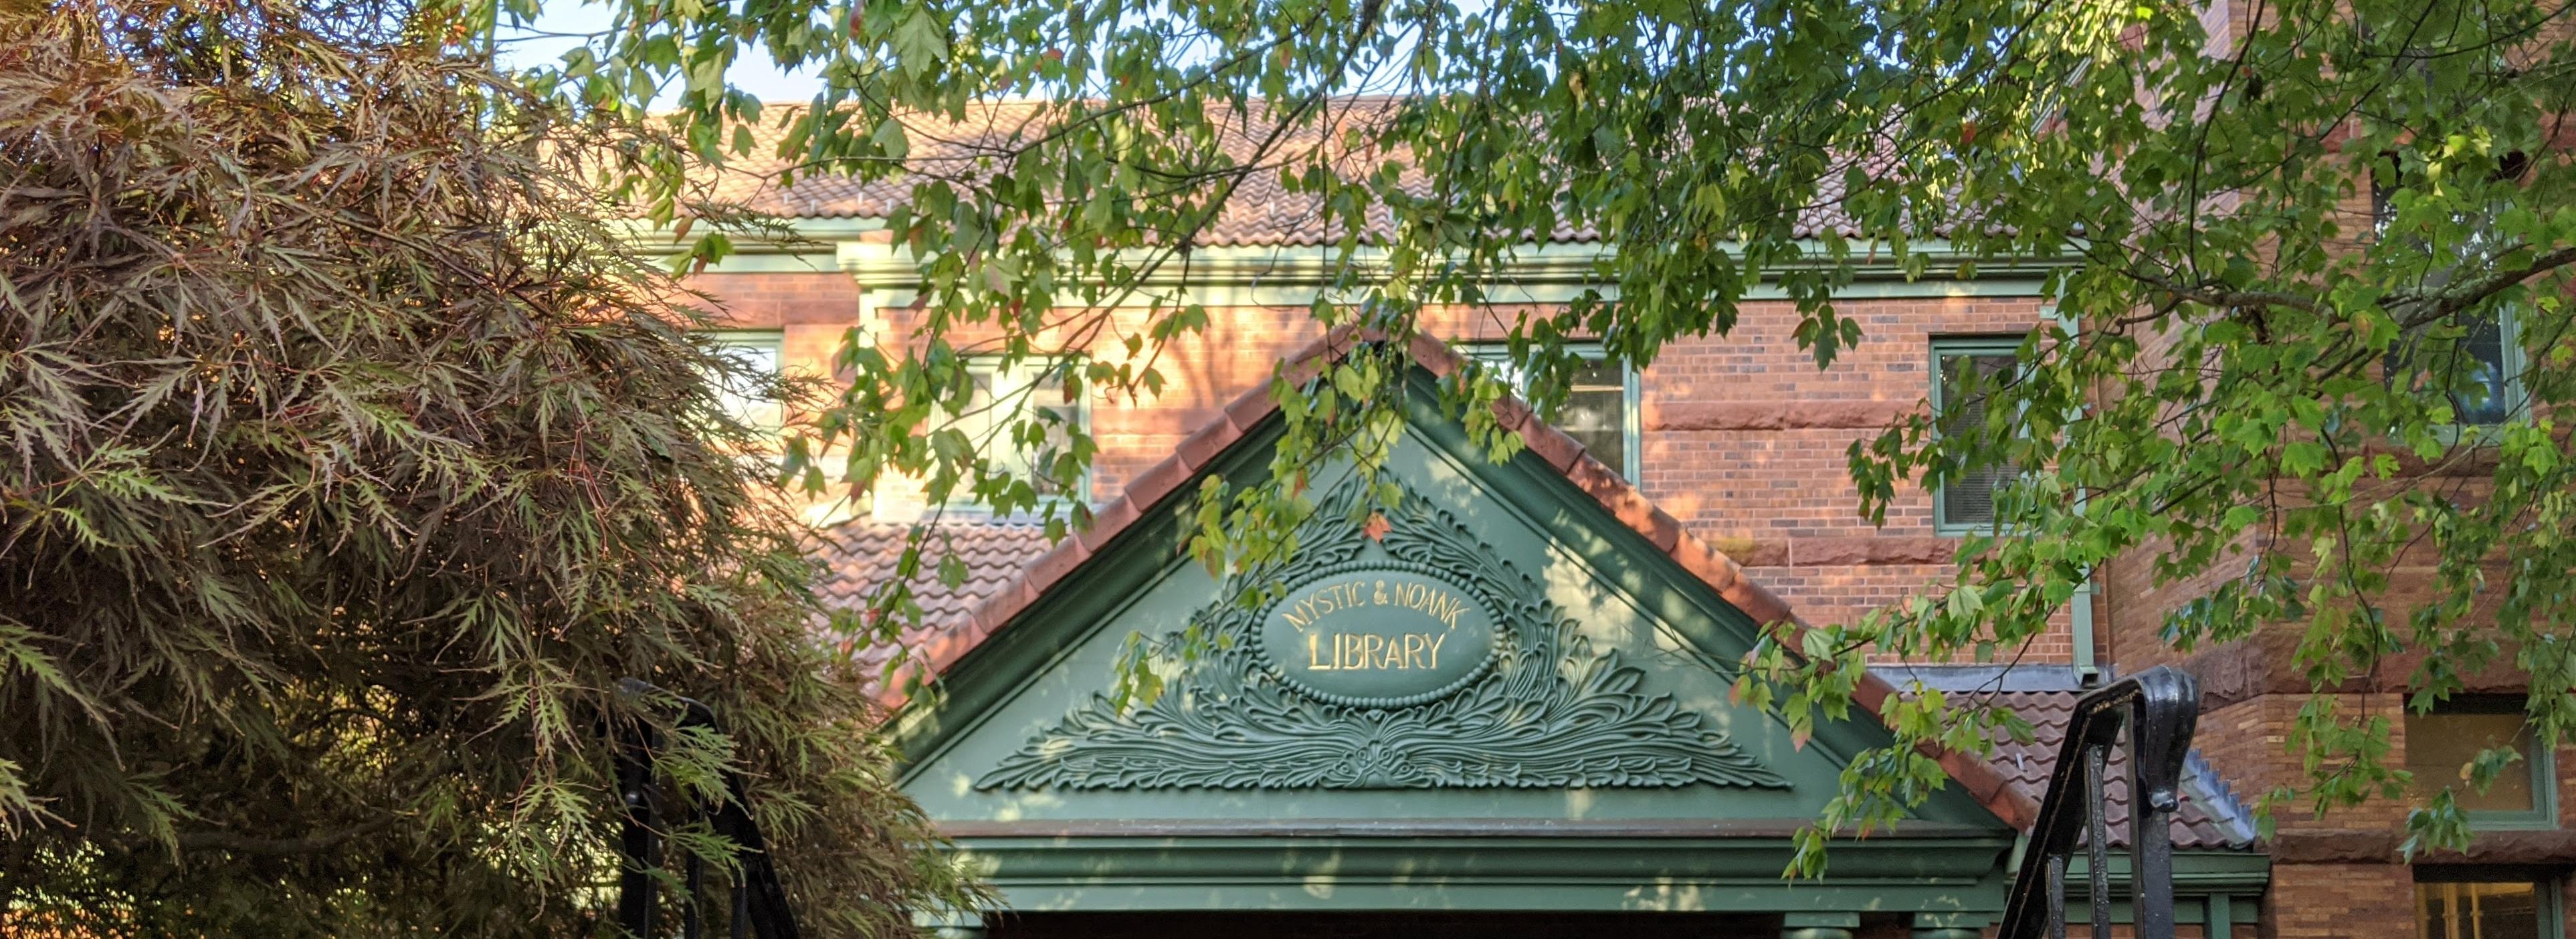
1741, 441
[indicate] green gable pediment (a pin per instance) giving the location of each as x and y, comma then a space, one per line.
1498, 656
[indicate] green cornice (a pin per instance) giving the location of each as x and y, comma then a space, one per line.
1536, 273
1941, 874
1921, 869
1549, 273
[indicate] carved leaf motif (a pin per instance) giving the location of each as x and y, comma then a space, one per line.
1551, 713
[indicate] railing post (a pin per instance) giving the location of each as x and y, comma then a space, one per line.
2161, 722
637, 843
760, 907
2159, 708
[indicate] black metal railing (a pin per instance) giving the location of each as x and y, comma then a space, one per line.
760, 909
2160, 707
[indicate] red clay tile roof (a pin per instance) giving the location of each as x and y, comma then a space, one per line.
1982, 781
2210, 818
858, 555
1259, 213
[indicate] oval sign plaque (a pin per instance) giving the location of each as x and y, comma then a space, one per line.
1374, 637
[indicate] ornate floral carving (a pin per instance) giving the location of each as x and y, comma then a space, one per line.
1550, 712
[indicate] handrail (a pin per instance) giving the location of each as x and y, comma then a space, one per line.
760, 907
2160, 707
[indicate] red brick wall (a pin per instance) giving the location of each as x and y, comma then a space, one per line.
1743, 437
1747, 441
2340, 901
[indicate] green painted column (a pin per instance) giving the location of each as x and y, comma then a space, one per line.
2218, 917
949, 925
1950, 926
1819, 925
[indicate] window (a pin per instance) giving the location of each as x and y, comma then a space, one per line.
2473, 362
2440, 745
1958, 366
2474, 359
2485, 903
1599, 410
744, 396
1003, 393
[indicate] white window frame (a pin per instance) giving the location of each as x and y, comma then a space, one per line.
770, 344
1631, 442
2007, 344
1008, 382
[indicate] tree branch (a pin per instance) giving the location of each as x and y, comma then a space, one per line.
277, 847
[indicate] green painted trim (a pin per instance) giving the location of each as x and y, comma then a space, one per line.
2216, 917
777, 262
1555, 263
2230, 884
772, 339
2195, 872
2079, 614
2540, 761
810, 229
1687, 874
1946, 347
2553, 908
1553, 273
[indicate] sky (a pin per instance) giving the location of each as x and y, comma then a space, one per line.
565, 23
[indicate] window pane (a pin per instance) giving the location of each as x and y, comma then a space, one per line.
2470, 372
2439, 745
2481, 360
742, 396
1595, 411
1970, 500
2478, 910
1595, 414
992, 418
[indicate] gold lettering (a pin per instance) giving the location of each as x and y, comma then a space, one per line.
1314, 661
1435, 648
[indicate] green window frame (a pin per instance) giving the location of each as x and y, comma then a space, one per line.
1630, 452
2511, 400
2449, 900
1943, 350
2537, 760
